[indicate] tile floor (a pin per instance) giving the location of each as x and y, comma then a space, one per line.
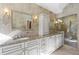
66, 50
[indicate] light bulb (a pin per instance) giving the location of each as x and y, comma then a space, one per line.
56, 21
35, 17
59, 20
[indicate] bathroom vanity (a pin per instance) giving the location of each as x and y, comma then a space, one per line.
43, 43
34, 45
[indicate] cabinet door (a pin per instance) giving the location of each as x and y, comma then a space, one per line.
0, 51
26, 52
59, 41
51, 44
33, 51
43, 45
62, 39
32, 47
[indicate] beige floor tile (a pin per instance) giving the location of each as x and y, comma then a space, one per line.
66, 50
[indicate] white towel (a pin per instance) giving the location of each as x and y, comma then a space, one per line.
4, 38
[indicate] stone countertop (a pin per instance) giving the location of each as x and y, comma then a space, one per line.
30, 38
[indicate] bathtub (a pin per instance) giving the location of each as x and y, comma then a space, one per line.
71, 42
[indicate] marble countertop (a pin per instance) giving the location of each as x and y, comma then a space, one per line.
21, 40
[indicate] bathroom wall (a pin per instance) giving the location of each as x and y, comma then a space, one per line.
71, 9
32, 9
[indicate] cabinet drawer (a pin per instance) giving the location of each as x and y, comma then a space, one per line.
11, 48
19, 52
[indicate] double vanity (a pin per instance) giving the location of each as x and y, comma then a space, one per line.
28, 42
33, 45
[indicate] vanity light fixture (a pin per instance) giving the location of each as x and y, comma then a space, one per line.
60, 20
6, 11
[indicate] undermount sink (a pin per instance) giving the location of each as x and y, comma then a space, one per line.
24, 38
18, 35
4, 38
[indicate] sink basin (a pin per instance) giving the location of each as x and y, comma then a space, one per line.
25, 38
4, 38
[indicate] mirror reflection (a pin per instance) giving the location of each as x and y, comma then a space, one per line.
21, 20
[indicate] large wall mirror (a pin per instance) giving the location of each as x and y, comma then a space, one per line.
71, 23
21, 20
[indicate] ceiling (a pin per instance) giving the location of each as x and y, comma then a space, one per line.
54, 7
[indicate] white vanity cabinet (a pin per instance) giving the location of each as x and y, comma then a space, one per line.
15, 49
32, 47
43, 45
